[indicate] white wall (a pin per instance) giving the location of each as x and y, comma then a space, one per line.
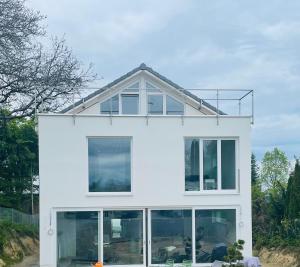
158, 167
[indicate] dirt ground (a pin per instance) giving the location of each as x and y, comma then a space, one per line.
29, 261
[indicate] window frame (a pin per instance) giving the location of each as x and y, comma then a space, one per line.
52, 230
219, 189
95, 194
164, 95
120, 93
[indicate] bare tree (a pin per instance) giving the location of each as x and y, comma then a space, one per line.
31, 75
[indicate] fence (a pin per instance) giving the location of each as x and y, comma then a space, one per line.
15, 216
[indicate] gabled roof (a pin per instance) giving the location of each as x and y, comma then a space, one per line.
142, 67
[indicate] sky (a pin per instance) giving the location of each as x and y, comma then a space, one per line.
197, 44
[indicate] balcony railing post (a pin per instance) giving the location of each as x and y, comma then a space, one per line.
239, 107
217, 106
252, 113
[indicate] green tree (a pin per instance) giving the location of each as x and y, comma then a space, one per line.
293, 193
274, 169
254, 169
18, 161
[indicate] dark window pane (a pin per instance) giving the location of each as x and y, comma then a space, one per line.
130, 104
123, 237
109, 164
215, 231
210, 164
171, 235
110, 106
155, 104
174, 107
191, 154
77, 238
228, 164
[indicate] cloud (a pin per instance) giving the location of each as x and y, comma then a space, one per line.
204, 44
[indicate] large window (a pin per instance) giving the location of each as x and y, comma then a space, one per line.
77, 238
210, 164
109, 164
171, 235
118, 237
215, 230
123, 237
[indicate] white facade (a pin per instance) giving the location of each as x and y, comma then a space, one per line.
157, 167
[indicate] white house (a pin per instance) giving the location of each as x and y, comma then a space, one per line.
141, 172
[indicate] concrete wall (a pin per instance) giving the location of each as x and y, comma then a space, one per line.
157, 173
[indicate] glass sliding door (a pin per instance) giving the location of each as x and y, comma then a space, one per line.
123, 237
171, 236
215, 230
77, 238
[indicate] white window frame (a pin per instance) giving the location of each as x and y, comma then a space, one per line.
100, 230
150, 232
104, 194
123, 92
164, 95
219, 189
101, 210
227, 207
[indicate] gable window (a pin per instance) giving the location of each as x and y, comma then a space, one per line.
109, 164
210, 164
110, 106
174, 107
125, 102
130, 104
155, 104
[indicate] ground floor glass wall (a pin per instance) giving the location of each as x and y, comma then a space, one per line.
118, 237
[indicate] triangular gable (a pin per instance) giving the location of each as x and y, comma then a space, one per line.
199, 103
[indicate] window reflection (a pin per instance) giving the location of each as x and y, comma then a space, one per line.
123, 237
174, 107
77, 238
155, 104
171, 235
228, 164
110, 106
130, 104
215, 231
210, 164
109, 164
192, 180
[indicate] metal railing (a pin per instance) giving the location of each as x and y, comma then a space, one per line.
17, 217
225, 102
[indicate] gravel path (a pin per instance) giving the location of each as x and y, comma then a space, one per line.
30, 261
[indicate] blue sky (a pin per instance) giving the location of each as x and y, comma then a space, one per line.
197, 44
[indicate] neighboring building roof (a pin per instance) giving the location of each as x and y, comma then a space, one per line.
143, 66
